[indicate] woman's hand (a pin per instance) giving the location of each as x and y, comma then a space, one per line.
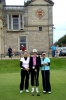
35, 70
27, 69
44, 64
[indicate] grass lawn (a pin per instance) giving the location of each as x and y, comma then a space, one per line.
10, 80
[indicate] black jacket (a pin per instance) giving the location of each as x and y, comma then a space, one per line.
9, 50
38, 63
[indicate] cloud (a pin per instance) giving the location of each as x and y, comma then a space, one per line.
14, 2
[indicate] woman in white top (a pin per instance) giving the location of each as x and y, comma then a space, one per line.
24, 64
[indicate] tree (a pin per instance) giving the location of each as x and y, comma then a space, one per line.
61, 41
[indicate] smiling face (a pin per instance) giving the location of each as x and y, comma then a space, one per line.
43, 54
34, 53
25, 54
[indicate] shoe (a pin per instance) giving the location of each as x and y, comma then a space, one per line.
27, 91
49, 92
21, 91
38, 94
44, 92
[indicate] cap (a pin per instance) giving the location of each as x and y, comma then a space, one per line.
22, 45
43, 53
34, 50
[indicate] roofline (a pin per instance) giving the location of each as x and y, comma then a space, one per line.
13, 6
28, 2
41, 5
50, 1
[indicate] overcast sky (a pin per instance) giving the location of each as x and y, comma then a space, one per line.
59, 16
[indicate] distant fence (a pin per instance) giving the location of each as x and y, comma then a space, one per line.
2, 56
19, 55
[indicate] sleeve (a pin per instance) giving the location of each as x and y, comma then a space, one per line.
30, 63
21, 63
48, 60
38, 63
49, 64
41, 62
29, 67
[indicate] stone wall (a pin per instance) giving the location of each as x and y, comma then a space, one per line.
41, 40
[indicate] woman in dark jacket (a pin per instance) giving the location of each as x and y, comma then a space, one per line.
10, 51
34, 65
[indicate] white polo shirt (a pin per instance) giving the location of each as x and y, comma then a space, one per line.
25, 63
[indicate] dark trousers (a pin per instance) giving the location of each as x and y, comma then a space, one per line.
10, 54
46, 80
24, 77
53, 53
34, 78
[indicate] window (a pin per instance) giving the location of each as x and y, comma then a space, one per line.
15, 22
9, 22
40, 28
20, 21
22, 41
25, 21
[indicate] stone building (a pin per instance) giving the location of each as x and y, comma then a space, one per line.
30, 25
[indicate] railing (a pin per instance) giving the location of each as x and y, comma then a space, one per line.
13, 7
3, 57
18, 56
